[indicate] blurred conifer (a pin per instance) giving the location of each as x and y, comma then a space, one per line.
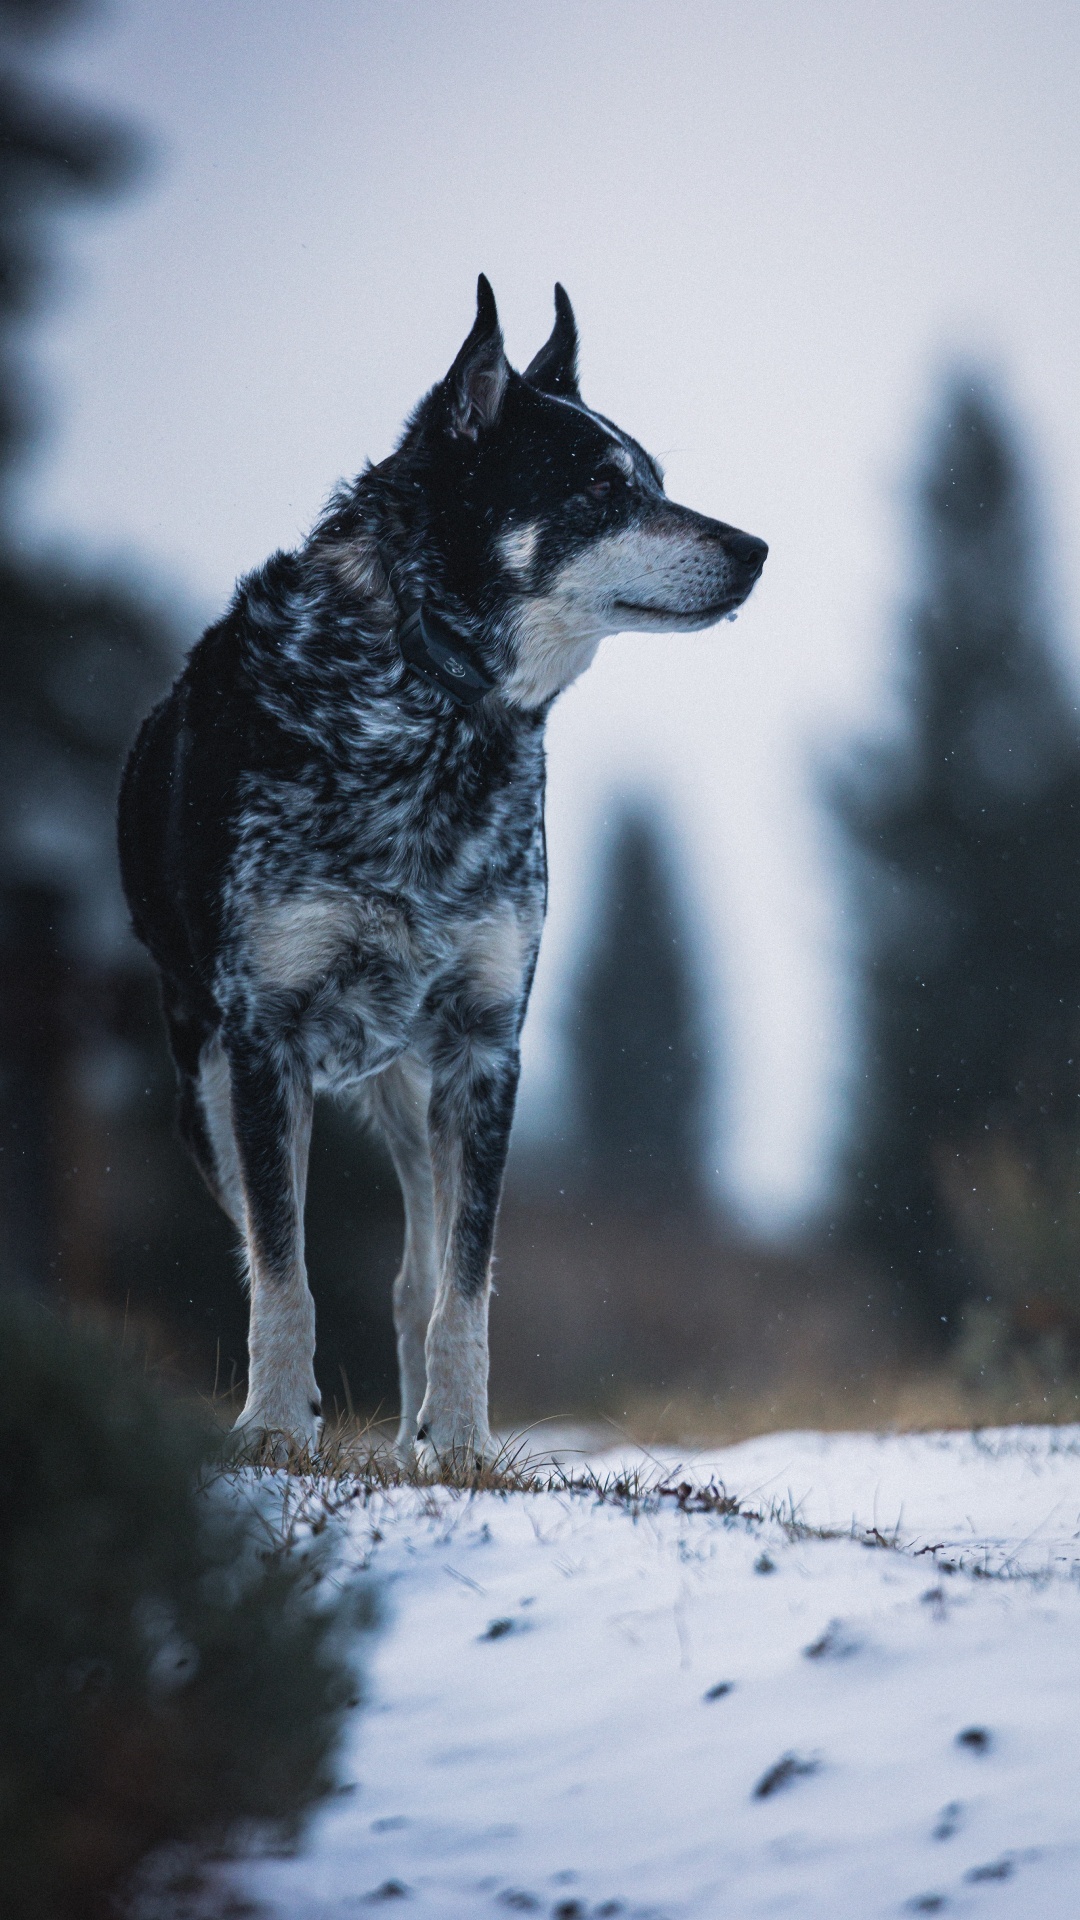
79, 660
637, 1035
96, 1198
965, 877
49, 153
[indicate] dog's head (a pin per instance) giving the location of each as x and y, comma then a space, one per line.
552, 525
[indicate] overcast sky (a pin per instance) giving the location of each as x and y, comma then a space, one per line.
780, 222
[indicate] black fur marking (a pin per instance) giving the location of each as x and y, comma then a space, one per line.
337, 866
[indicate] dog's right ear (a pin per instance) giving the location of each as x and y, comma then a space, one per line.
476, 383
554, 369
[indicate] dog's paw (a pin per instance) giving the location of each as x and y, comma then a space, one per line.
453, 1452
279, 1435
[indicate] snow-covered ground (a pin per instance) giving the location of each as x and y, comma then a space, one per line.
593, 1707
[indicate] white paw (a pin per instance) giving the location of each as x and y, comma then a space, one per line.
279, 1427
453, 1446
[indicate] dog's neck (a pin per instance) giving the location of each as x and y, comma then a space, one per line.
542, 648
432, 645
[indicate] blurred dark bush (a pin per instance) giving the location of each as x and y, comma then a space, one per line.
168, 1675
1015, 1207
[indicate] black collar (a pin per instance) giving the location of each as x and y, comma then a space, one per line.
433, 647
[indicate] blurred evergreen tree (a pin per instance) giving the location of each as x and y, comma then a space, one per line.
965, 881
636, 1033
78, 661
48, 153
97, 1201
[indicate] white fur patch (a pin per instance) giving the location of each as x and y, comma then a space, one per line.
357, 566
296, 941
215, 1098
497, 949
639, 578
454, 1417
666, 572
517, 548
398, 1099
282, 1394
554, 646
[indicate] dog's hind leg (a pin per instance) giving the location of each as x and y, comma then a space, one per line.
204, 1116
271, 1106
398, 1101
204, 1123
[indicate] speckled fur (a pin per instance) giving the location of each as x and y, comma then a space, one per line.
341, 874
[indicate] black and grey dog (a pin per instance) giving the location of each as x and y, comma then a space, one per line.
332, 836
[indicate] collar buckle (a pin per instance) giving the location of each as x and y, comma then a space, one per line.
435, 649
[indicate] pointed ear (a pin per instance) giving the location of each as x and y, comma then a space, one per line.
554, 369
476, 382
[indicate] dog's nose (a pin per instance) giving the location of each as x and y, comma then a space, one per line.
747, 550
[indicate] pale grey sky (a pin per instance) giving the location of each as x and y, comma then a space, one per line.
779, 220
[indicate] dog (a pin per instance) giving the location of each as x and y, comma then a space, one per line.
332, 838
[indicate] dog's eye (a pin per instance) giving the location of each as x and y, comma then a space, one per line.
599, 489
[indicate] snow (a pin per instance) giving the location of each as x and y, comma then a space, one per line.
539, 1733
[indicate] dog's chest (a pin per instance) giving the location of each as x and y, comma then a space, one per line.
365, 976
364, 905
396, 868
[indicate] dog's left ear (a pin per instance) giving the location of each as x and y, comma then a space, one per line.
554, 369
476, 382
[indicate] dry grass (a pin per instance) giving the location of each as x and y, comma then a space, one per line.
356, 1461
356, 1465
913, 1402
311, 1491
359, 1449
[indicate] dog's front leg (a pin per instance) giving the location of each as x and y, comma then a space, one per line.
271, 1112
474, 1084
